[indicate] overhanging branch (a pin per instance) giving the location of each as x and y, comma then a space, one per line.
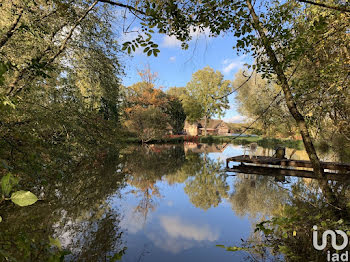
235, 89
131, 8
338, 8
260, 116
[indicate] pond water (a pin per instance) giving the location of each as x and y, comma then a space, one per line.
169, 203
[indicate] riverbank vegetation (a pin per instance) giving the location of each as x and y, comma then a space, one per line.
61, 68
63, 83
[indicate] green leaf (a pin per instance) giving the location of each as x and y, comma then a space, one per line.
8, 102
149, 52
0, 219
7, 183
23, 198
117, 256
55, 242
233, 248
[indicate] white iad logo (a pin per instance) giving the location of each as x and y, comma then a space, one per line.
333, 236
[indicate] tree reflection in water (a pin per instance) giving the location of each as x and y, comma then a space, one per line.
287, 228
206, 185
75, 207
145, 166
282, 214
71, 219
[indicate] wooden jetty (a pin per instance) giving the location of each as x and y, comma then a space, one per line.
285, 163
283, 172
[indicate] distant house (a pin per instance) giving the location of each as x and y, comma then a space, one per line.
214, 127
169, 129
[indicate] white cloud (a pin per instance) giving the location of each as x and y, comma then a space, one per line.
173, 245
199, 32
177, 235
172, 58
171, 41
132, 221
226, 61
233, 65
179, 229
235, 119
230, 64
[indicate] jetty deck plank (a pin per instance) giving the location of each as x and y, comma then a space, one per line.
275, 172
264, 160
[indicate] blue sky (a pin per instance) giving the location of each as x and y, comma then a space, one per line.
175, 66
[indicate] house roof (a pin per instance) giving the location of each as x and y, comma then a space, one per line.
212, 123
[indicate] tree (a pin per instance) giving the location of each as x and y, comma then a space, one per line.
206, 95
50, 28
278, 69
322, 75
64, 106
176, 108
255, 96
147, 123
176, 114
158, 108
166, 108
177, 92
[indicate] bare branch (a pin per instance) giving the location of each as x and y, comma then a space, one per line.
260, 116
234, 90
131, 8
338, 8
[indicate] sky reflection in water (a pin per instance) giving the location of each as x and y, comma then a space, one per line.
176, 230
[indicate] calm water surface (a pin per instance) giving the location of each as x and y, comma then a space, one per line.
156, 203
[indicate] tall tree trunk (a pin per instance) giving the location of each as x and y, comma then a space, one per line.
303, 128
